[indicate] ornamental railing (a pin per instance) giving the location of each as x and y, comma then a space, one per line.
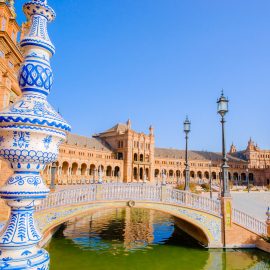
249, 222
131, 192
193, 201
136, 192
69, 197
144, 192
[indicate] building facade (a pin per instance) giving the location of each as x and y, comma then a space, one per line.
121, 153
10, 60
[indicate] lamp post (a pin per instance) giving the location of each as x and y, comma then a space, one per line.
118, 176
163, 183
222, 110
53, 172
100, 175
247, 180
210, 179
187, 171
94, 176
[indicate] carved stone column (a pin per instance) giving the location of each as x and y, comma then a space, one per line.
31, 132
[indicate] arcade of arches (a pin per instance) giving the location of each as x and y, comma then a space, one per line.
121, 154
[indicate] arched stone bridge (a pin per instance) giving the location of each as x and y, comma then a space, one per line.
199, 216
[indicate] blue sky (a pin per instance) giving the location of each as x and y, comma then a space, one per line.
154, 61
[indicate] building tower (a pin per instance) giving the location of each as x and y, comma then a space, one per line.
10, 55
30, 134
10, 60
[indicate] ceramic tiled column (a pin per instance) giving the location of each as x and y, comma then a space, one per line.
31, 132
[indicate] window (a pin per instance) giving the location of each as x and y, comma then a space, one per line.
4, 24
13, 36
2, 55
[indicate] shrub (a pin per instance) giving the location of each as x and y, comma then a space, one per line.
192, 187
205, 186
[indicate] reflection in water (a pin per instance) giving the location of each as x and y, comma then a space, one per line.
133, 238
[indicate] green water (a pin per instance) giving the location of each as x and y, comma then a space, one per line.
137, 239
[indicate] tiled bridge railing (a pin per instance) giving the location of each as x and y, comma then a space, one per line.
143, 192
249, 222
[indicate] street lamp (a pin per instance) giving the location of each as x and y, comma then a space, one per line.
222, 109
100, 174
163, 183
187, 171
247, 179
210, 179
53, 172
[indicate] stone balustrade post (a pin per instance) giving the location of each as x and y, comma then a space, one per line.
268, 222
164, 193
226, 213
99, 196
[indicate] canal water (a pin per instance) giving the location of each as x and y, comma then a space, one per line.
140, 239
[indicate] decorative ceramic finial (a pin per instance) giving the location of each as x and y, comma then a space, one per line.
31, 132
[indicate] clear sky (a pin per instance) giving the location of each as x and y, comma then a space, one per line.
154, 61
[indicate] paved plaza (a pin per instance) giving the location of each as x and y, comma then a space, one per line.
253, 203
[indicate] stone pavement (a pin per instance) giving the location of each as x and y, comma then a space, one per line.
253, 203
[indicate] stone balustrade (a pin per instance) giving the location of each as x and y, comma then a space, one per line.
249, 222
144, 192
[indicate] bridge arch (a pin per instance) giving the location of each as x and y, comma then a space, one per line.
188, 224
193, 210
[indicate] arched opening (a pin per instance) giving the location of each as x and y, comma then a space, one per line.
251, 178
230, 176
83, 169
74, 168
65, 168
178, 174
156, 172
116, 171
206, 175
109, 171
214, 175
170, 173
192, 174
120, 156
243, 177
143, 226
135, 157
92, 169
141, 158
147, 173
235, 177
199, 175
141, 173
135, 173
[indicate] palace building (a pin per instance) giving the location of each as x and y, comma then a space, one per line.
121, 153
